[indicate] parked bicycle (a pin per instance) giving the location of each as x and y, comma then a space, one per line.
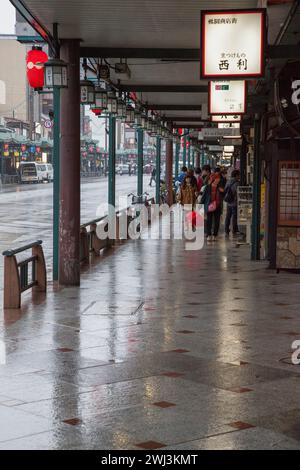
139, 199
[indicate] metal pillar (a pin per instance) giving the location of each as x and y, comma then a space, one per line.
184, 149
193, 158
177, 150
2, 161
255, 231
189, 154
112, 161
158, 163
69, 229
169, 171
202, 156
243, 162
197, 164
56, 185
140, 144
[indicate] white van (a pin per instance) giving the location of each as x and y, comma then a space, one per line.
32, 172
122, 169
47, 171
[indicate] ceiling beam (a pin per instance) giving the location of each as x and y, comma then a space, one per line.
273, 52
184, 119
135, 53
189, 126
36, 25
165, 88
284, 51
174, 107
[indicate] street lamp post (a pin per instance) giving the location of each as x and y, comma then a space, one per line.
55, 78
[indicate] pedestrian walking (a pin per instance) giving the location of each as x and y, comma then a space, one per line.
187, 195
153, 176
212, 199
182, 174
230, 197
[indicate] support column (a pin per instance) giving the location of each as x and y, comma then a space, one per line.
177, 151
140, 164
169, 171
189, 154
112, 161
56, 185
243, 162
193, 158
184, 149
69, 227
158, 164
197, 164
255, 232
202, 156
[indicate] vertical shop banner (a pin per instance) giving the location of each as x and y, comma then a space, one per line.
233, 43
226, 118
227, 97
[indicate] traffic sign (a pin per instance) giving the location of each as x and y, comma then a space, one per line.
48, 124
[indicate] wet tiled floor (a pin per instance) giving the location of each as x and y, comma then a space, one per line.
159, 348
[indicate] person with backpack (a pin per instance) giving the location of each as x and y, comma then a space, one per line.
230, 197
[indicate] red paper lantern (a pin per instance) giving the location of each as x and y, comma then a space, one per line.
35, 67
97, 111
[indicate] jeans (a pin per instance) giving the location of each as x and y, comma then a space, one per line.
231, 214
213, 222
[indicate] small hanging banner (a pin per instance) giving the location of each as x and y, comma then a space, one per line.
227, 97
226, 118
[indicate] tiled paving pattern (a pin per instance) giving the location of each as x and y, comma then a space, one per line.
159, 348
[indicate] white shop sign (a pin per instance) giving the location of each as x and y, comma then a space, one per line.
226, 125
233, 141
215, 148
233, 43
215, 132
226, 118
227, 97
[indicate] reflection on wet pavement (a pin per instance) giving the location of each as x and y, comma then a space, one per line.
156, 349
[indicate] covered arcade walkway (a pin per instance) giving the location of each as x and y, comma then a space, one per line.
158, 347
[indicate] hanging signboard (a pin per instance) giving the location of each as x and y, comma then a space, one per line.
226, 118
233, 43
231, 141
215, 148
215, 132
226, 125
228, 97
287, 95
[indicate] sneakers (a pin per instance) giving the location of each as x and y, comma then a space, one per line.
212, 238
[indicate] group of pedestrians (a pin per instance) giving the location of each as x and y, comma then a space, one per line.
211, 188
